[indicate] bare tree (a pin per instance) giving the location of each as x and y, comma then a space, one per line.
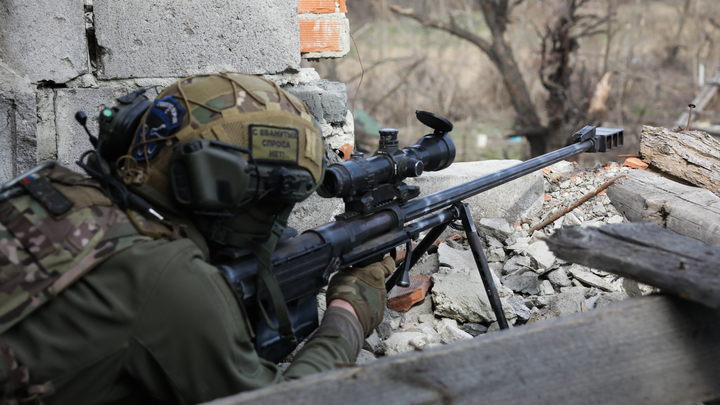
560, 39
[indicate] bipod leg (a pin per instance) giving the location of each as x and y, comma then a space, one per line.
481, 262
417, 253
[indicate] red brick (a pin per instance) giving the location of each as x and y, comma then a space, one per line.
548, 197
346, 151
401, 299
321, 6
320, 35
635, 163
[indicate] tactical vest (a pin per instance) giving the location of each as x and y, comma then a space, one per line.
62, 227
55, 227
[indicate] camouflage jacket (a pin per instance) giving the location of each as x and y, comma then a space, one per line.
152, 323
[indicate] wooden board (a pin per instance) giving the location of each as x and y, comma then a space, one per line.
693, 156
651, 350
647, 253
687, 210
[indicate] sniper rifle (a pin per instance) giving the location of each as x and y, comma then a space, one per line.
382, 212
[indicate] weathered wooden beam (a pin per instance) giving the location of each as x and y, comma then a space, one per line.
693, 156
651, 350
702, 100
647, 253
687, 210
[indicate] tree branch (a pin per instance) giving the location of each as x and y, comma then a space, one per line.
450, 28
714, 23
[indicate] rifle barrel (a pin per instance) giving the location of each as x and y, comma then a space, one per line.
424, 205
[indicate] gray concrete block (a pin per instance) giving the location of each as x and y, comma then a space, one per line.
71, 139
510, 201
44, 39
315, 211
18, 141
168, 38
327, 100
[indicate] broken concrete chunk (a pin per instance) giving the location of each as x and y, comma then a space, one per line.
559, 278
461, 296
390, 324
496, 255
522, 311
400, 342
588, 278
455, 258
572, 220
605, 299
417, 311
427, 318
493, 242
452, 333
496, 268
525, 282
365, 357
428, 331
567, 303
372, 342
427, 265
495, 227
474, 329
517, 264
546, 288
540, 254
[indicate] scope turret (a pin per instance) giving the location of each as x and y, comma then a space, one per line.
367, 183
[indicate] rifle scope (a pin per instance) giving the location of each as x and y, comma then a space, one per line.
391, 165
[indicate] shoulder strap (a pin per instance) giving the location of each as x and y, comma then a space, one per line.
265, 275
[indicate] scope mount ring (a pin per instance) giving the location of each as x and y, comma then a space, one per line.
434, 121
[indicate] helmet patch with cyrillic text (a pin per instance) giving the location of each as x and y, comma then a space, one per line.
274, 143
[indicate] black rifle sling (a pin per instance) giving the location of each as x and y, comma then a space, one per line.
265, 275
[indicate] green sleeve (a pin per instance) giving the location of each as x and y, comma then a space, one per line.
338, 339
193, 328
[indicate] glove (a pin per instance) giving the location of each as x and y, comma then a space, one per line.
364, 289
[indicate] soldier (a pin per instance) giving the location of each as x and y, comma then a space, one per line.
102, 302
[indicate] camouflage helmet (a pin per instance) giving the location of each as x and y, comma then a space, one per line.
255, 115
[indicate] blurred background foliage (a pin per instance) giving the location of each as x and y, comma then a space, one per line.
650, 53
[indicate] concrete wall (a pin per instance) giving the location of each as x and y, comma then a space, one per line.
60, 56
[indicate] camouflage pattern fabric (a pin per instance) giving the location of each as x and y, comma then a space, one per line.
364, 289
222, 107
41, 255
15, 381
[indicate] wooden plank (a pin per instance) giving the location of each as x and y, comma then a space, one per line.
322, 6
651, 350
687, 210
320, 35
702, 100
647, 253
693, 156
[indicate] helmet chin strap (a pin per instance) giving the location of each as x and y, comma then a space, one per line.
217, 232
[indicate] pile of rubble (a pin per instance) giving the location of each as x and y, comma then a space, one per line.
446, 301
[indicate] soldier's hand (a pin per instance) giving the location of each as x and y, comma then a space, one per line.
364, 289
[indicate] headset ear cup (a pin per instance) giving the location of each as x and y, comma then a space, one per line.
208, 176
118, 130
